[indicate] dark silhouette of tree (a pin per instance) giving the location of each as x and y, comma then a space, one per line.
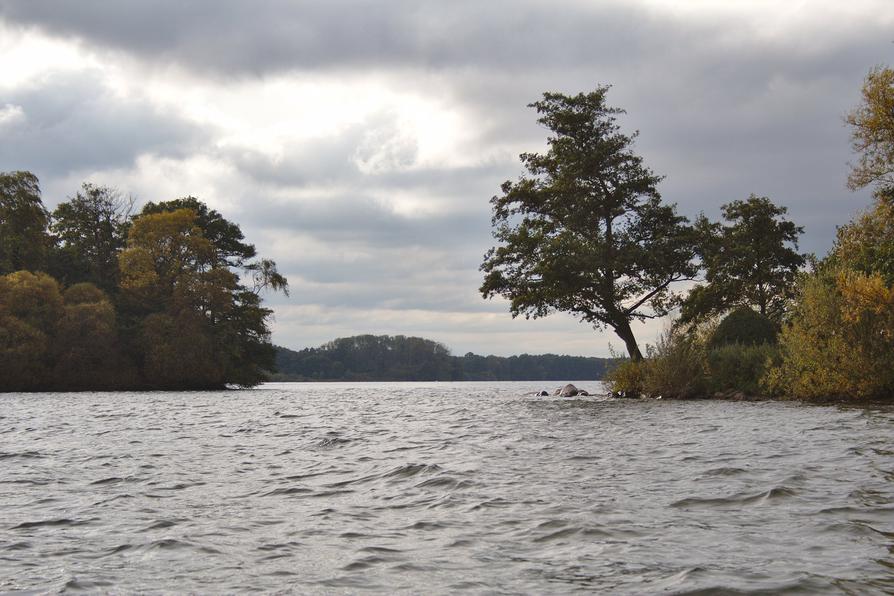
585, 231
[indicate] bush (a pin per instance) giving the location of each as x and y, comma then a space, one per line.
676, 366
626, 377
738, 367
840, 342
744, 326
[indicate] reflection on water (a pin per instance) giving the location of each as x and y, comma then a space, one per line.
446, 487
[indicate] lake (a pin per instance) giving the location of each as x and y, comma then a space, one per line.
441, 488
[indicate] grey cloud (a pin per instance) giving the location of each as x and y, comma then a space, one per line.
231, 36
72, 123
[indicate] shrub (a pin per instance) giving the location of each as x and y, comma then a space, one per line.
676, 366
840, 342
626, 377
744, 326
738, 367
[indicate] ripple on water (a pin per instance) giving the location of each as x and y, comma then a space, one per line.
441, 488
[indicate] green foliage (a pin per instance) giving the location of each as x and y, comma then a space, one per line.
178, 353
867, 243
585, 231
744, 326
627, 377
751, 262
24, 241
739, 367
872, 131
675, 367
90, 229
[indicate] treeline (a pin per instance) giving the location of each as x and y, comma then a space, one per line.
400, 358
94, 296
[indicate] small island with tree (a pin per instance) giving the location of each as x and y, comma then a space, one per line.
92, 297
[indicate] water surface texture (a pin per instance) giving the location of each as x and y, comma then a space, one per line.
441, 488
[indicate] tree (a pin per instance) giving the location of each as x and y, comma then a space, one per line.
872, 131
752, 262
24, 241
585, 231
91, 228
225, 235
200, 327
30, 308
867, 243
227, 239
840, 342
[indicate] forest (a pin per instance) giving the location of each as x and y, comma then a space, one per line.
399, 358
93, 296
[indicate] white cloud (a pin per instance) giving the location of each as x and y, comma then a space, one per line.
11, 114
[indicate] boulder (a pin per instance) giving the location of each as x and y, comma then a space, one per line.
568, 390
541, 393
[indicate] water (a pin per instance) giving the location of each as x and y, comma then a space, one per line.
441, 488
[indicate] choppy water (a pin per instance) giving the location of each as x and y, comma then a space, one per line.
436, 488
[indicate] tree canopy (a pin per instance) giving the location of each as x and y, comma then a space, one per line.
872, 131
147, 301
752, 261
24, 241
585, 230
90, 229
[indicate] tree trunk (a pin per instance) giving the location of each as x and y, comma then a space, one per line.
624, 331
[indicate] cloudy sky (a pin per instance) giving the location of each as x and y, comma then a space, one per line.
358, 142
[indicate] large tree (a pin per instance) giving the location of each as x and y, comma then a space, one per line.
872, 131
752, 261
200, 327
24, 241
90, 230
230, 250
585, 230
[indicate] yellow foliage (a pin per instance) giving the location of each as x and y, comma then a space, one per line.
840, 342
32, 297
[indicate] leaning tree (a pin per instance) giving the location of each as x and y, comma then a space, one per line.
585, 231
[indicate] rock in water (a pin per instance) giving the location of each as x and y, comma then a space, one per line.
568, 390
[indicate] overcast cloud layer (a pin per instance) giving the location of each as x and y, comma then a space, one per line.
357, 143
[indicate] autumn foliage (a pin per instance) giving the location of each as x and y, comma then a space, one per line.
152, 301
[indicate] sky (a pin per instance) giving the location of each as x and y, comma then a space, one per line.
358, 143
